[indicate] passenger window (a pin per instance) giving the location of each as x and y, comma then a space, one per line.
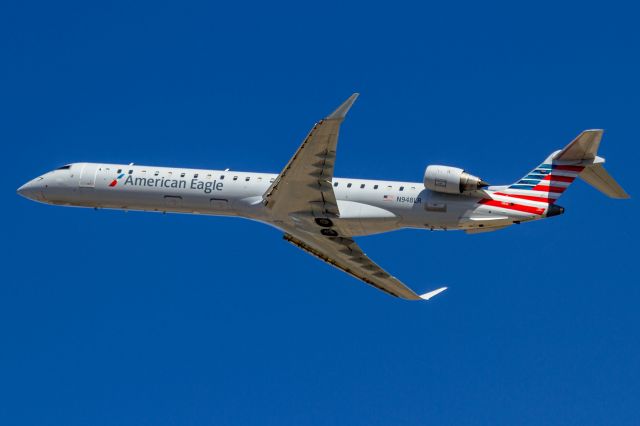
182, 174
195, 176
221, 177
389, 187
131, 171
119, 171
402, 188
335, 183
247, 179
348, 185
362, 186
375, 186
235, 178
156, 173
271, 180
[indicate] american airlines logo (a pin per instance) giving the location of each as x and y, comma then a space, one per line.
156, 182
116, 180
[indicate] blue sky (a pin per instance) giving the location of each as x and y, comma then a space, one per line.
133, 318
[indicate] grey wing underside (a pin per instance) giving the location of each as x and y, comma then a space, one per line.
303, 192
343, 253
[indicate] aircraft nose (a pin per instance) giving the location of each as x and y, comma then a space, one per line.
31, 190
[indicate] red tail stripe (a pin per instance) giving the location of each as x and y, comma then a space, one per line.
559, 178
528, 197
512, 206
569, 168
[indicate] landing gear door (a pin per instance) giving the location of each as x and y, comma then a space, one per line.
88, 176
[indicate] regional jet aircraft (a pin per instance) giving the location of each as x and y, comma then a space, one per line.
321, 213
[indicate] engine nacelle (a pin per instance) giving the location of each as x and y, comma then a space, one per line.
451, 180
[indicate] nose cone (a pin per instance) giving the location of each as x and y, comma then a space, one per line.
31, 190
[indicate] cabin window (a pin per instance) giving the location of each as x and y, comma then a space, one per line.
131, 171
235, 178
389, 187
362, 186
221, 177
247, 179
259, 178
402, 188
375, 186
195, 176
271, 180
182, 174
119, 171
335, 183
156, 173
348, 185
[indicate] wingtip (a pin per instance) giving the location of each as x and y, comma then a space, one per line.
343, 109
430, 294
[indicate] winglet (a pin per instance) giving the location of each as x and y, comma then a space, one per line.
429, 295
342, 110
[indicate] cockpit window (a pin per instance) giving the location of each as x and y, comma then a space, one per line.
67, 167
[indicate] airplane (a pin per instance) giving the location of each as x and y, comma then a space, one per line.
321, 214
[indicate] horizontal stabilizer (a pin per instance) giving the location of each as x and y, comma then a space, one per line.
429, 295
584, 147
598, 177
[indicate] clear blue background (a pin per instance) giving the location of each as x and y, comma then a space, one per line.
113, 318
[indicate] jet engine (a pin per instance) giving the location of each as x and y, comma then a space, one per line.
451, 180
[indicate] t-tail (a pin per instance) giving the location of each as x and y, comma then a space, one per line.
547, 182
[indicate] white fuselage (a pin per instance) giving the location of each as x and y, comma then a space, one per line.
366, 206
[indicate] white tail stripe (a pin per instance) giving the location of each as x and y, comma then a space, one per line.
555, 183
532, 193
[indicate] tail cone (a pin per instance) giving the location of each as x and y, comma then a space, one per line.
554, 210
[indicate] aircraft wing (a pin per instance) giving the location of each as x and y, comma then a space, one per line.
303, 192
305, 182
343, 253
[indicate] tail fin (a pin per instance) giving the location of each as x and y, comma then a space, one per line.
548, 181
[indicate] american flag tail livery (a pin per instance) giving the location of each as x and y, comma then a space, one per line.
542, 186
